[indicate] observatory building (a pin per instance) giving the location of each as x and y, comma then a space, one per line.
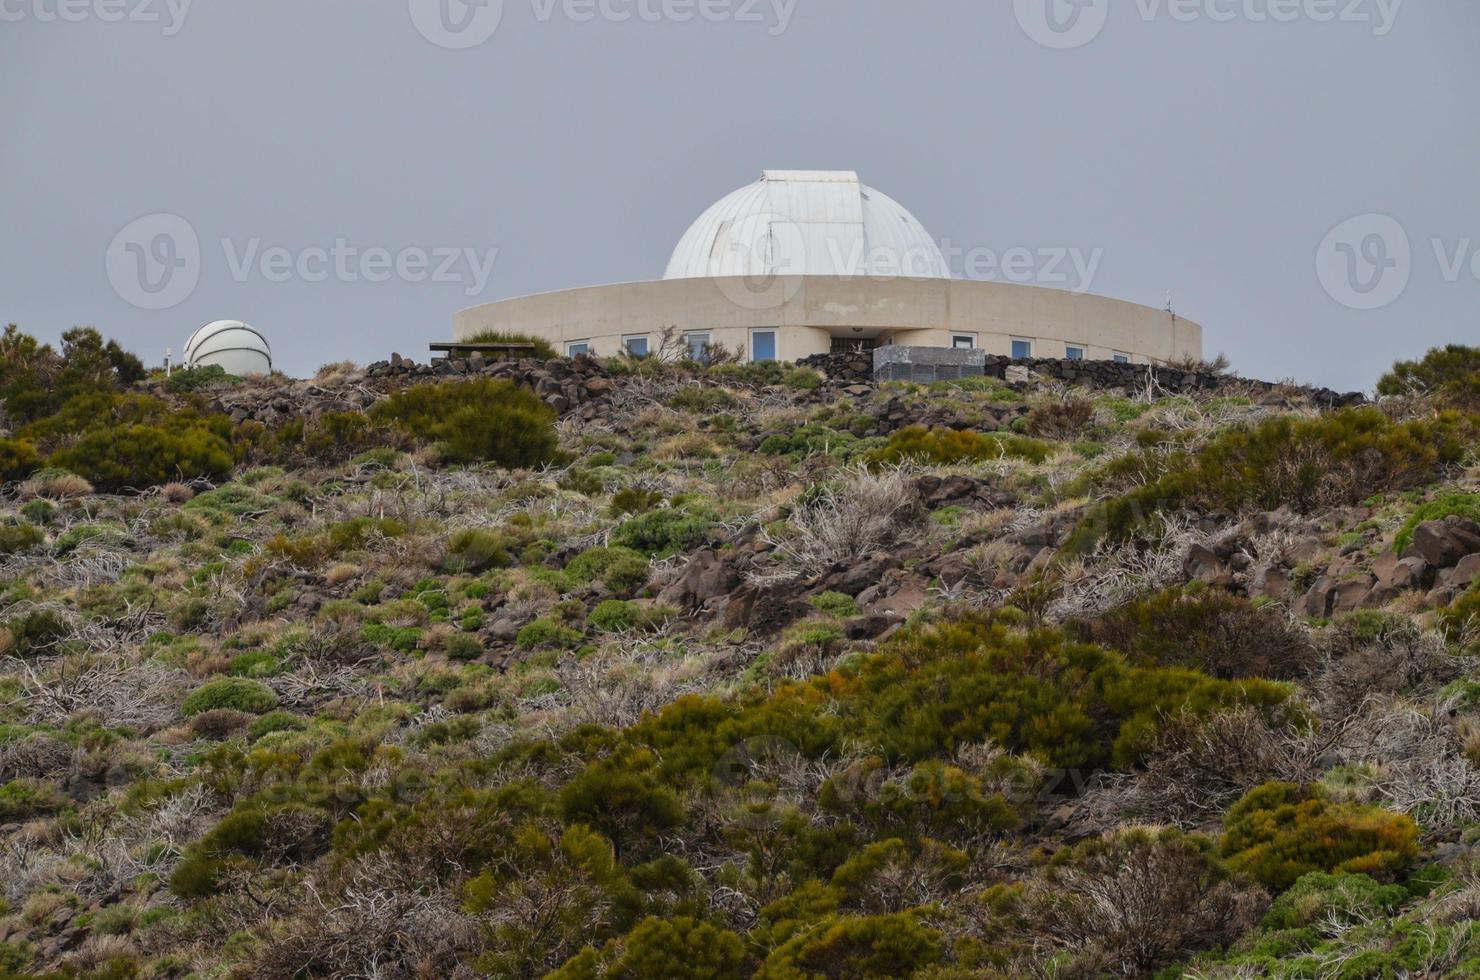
807, 262
231, 345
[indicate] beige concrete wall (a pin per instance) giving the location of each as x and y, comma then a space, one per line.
807, 311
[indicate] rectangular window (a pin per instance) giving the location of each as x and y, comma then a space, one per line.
636, 346
1074, 353
763, 345
1022, 350
1121, 358
964, 341
577, 347
698, 346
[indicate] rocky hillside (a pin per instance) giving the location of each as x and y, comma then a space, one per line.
626, 669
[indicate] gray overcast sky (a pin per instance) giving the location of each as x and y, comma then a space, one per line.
1208, 150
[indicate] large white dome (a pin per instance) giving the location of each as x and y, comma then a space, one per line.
232, 345
807, 223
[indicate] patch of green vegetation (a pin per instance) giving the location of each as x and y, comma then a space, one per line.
543, 350
1301, 463
835, 604
1458, 504
546, 633
662, 533
236, 693
482, 420
1451, 374
194, 379
1281, 831
944, 447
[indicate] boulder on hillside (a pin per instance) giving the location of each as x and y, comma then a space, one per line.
1444, 543
707, 576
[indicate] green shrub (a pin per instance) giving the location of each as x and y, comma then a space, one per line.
808, 440
662, 533
236, 693
634, 500
1460, 620
1281, 831
621, 616
542, 348
255, 663
22, 799
616, 616
680, 948
462, 646
476, 421
621, 570
1452, 374
835, 604
36, 380
476, 550
334, 541
1220, 634
33, 634
895, 945
17, 459
193, 379
700, 399
16, 538
1306, 464
944, 447
1319, 897
136, 456
546, 632
933, 689
275, 721
246, 837
1458, 504
38, 511
622, 798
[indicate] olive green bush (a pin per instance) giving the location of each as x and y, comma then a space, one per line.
542, 348
662, 533
236, 693
17, 459
477, 550
137, 456
944, 447
1302, 463
35, 380
1218, 633
1452, 374
481, 420
1281, 831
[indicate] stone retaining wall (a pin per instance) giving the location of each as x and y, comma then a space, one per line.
858, 367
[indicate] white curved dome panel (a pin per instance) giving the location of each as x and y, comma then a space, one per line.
231, 345
807, 223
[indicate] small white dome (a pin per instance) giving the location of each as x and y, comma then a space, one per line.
232, 345
807, 223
